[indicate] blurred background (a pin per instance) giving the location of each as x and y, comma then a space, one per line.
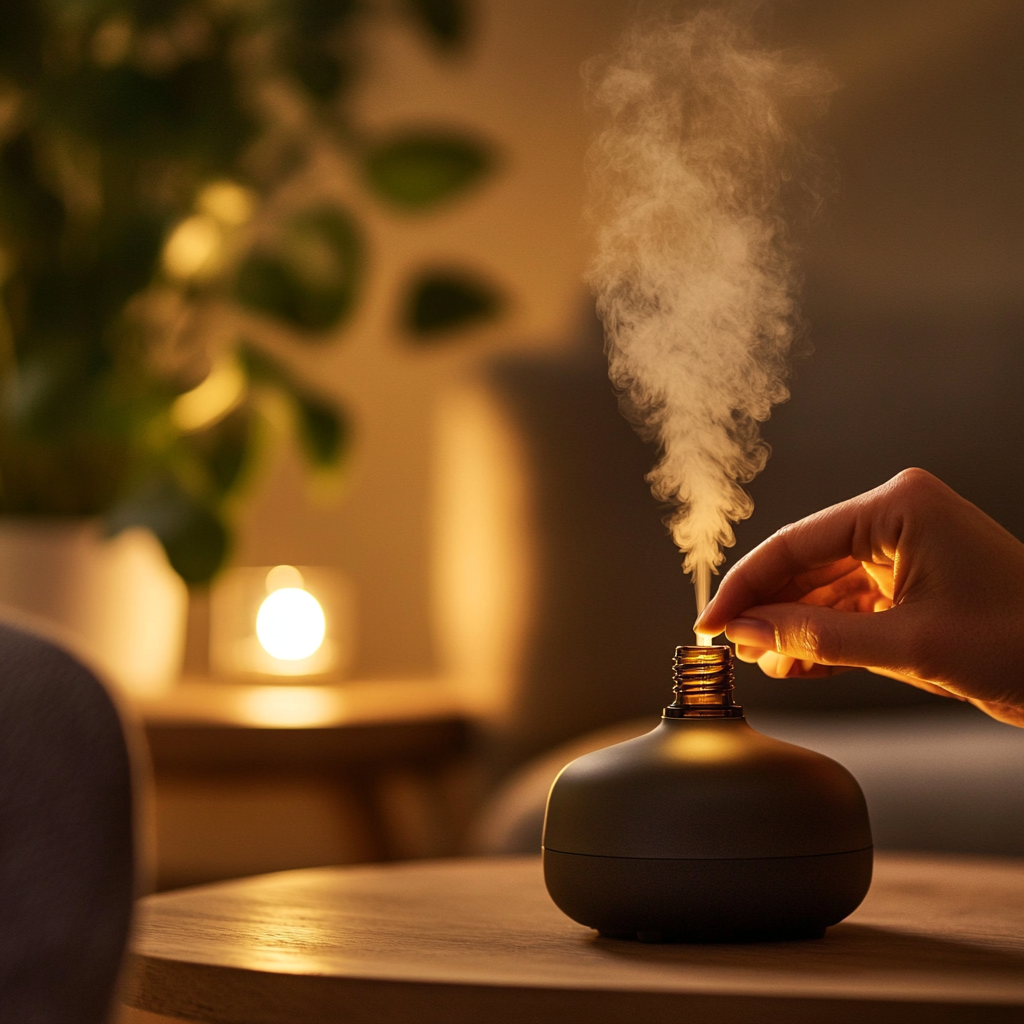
359, 229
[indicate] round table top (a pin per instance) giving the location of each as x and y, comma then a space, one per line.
455, 941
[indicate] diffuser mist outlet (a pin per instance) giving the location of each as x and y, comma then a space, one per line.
704, 830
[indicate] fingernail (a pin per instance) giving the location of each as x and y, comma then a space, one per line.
752, 633
777, 665
700, 623
749, 654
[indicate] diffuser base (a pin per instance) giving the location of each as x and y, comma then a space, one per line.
708, 900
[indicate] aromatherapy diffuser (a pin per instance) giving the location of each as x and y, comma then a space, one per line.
703, 829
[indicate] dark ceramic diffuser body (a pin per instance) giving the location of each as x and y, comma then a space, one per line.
704, 830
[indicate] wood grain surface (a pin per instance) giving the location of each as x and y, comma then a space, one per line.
199, 700
938, 939
200, 727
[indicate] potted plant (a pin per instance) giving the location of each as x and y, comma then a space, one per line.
145, 147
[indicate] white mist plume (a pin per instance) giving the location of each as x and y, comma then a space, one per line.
691, 180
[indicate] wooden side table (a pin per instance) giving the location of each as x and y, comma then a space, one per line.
939, 939
355, 737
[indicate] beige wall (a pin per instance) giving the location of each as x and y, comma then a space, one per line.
519, 87
927, 133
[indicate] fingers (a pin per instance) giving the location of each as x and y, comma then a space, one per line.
824, 578
921, 684
882, 575
756, 633
777, 666
823, 636
904, 580
1011, 714
780, 666
750, 655
863, 529
768, 572
854, 591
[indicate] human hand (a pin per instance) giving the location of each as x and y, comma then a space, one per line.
909, 580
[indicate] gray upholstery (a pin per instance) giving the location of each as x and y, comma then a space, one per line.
949, 780
609, 601
66, 837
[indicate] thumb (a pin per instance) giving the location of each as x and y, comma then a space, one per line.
828, 637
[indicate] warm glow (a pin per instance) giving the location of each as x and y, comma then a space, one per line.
290, 624
281, 620
227, 202
710, 745
705, 640
213, 399
284, 706
485, 549
195, 248
284, 576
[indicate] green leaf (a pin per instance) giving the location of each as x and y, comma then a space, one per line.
224, 449
190, 110
417, 171
31, 213
312, 279
22, 32
320, 72
55, 390
441, 301
446, 22
260, 367
314, 49
315, 19
198, 548
191, 531
323, 432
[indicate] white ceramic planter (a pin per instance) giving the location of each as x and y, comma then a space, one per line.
115, 602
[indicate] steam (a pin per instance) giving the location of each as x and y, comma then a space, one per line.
699, 167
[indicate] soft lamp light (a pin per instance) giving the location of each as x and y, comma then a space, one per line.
281, 621
290, 624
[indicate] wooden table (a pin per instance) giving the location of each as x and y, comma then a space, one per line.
354, 736
213, 726
462, 942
